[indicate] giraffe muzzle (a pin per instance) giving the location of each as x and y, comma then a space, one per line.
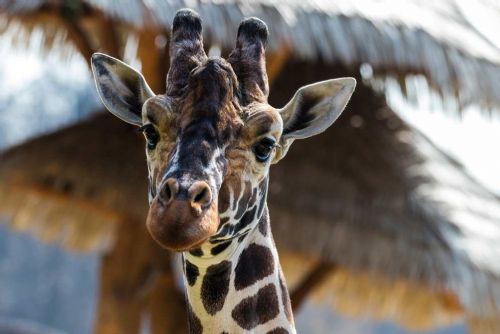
183, 217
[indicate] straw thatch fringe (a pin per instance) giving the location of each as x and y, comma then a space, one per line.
472, 230
46, 40
481, 326
366, 295
441, 42
85, 184
57, 219
411, 305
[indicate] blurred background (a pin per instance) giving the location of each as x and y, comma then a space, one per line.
389, 222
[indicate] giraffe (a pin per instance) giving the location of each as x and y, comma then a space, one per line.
210, 142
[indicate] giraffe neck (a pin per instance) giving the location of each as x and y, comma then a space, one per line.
238, 285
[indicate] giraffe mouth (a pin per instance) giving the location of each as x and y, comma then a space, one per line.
178, 227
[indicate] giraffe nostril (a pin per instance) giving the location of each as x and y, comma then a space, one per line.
168, 193
200, 194
169, 190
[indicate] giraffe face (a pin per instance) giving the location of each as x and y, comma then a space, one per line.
211, 138
204, 152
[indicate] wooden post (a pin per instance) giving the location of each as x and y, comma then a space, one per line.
167, 303
123, 271
136, 281
153, 54
275, 63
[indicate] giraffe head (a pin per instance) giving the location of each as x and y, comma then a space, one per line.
212, 137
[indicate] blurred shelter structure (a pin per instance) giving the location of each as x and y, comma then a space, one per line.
384, 225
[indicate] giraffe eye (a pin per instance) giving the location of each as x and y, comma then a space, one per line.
263, 149
150, 134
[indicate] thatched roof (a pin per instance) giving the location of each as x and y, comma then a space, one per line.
376, 197
385, 200
445, 40
75, 186
372, 195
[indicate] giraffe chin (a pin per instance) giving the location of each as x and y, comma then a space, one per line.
178, 227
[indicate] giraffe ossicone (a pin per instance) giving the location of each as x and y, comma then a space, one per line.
210, 141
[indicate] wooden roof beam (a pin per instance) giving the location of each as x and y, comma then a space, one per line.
318, 274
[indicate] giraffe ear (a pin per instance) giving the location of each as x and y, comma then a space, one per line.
122, 89
312, 110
